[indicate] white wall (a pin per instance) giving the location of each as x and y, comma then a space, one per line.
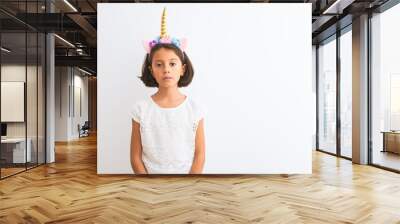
67, 80
252, 71
314, 102
61, 103
80, 83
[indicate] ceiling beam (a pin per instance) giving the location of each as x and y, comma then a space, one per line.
337, 6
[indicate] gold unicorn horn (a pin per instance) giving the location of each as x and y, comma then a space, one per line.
163, 24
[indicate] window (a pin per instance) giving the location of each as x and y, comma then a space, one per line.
346, 93
385, 89
327, 96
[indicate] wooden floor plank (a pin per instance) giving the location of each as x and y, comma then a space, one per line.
70, 191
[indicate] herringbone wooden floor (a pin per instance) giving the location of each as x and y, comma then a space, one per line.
70, 191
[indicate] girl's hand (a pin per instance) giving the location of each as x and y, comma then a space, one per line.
136, 150
199, 154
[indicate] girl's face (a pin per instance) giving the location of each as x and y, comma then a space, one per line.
167, 68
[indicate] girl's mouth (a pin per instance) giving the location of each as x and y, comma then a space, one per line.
167, 78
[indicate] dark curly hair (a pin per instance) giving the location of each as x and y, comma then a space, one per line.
148, 78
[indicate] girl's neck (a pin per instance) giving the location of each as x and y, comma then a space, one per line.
170, 94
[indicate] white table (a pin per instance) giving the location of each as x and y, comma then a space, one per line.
18, 145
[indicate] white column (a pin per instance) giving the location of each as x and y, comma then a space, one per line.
50, 110
50, 92
360, 90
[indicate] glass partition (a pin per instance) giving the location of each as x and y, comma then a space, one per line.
385, 89
22, 88
327, 96
346, 94
13, 95
31, 100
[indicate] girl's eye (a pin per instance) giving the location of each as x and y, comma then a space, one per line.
158, 65
173, 64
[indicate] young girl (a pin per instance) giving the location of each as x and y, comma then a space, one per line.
167, 127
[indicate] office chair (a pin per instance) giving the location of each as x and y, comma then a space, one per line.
84, 130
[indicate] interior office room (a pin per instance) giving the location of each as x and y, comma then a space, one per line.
52, 114
23, 106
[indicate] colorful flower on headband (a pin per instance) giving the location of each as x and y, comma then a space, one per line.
176, 42
164, 38
152, 43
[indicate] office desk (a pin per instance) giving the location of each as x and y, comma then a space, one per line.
15, 148
391, 141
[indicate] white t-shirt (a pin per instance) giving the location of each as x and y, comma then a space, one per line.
167, 135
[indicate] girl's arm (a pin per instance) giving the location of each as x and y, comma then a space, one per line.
199, 154
136, 150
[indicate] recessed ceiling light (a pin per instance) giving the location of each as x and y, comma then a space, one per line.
5, 49
64, 40
70, 5
337, 7
86, 72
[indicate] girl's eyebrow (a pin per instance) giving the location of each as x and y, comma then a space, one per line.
172, 59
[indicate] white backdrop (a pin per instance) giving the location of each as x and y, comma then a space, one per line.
253, 73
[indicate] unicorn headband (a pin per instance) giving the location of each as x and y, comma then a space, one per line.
164, 38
